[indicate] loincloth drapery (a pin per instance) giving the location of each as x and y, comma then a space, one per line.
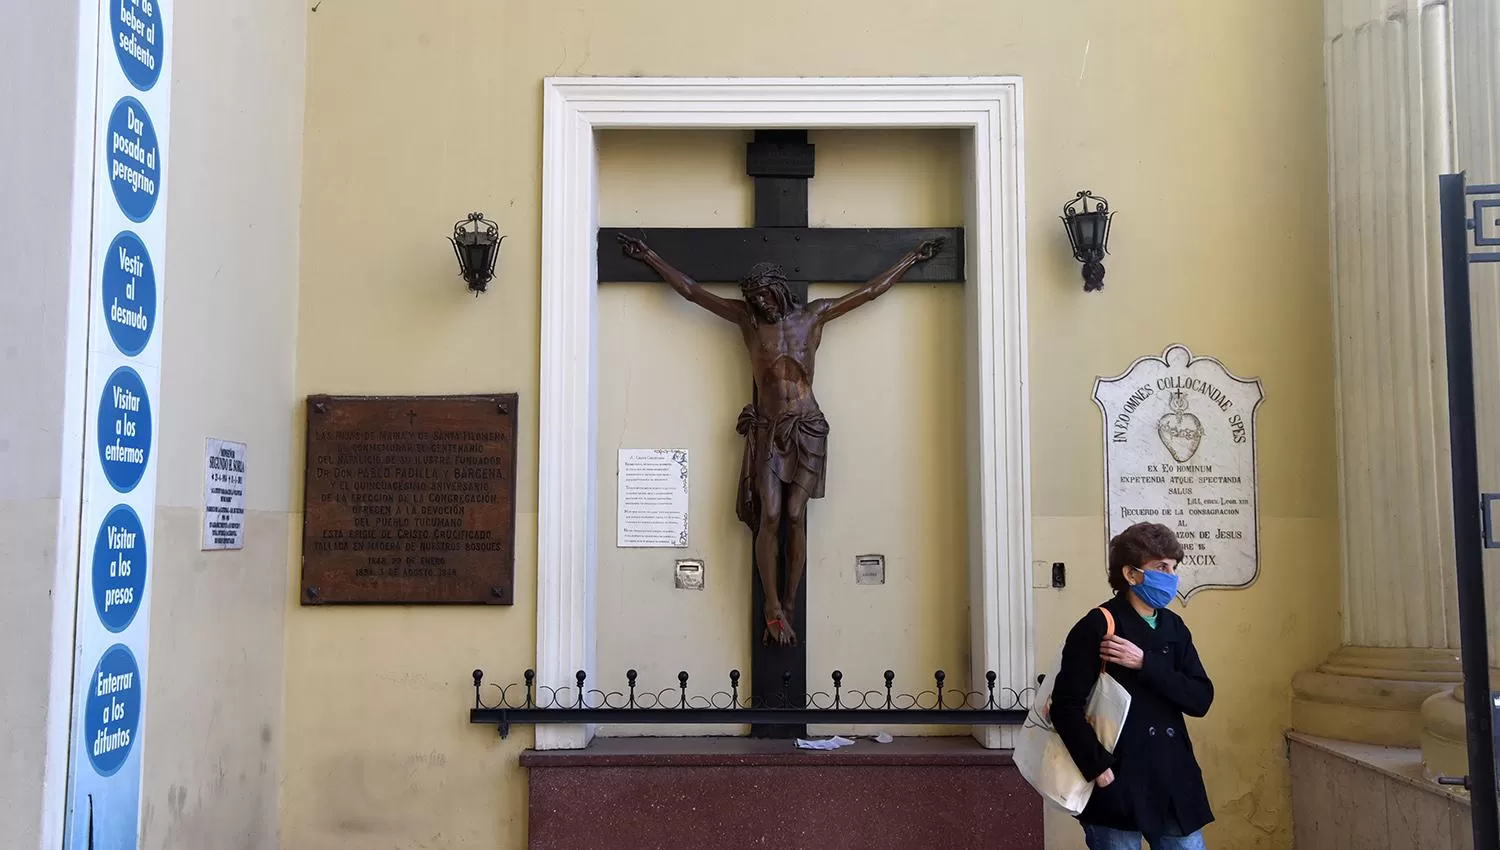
794, 448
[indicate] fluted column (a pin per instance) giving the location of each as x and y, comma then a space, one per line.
1476, 132
1390, 135
1476, 124
1389, 139
1394, 125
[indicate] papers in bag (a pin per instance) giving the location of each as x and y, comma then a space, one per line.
830, 744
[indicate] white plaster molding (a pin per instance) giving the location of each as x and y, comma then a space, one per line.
989, 109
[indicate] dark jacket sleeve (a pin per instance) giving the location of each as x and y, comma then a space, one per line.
1182, 681
1070, 696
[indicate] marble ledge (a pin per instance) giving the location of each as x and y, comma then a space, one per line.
758, 752
1401, 764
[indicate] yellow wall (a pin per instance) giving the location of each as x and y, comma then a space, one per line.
1203, 123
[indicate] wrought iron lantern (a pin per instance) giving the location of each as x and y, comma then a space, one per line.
476, 242
1088, 233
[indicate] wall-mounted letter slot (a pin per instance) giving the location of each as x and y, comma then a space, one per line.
689, 575
869, 569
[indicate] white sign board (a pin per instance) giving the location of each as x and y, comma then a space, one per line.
127, 288
652, 509
224, 495
1179, 449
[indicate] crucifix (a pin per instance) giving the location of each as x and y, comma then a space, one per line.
784, 429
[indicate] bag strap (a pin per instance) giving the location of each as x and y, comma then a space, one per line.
1109, 631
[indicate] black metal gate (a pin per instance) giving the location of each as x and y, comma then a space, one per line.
1471, 211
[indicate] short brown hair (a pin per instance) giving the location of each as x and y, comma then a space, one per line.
1137, 545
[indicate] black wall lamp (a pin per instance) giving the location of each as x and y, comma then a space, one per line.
476, 242
1088, 233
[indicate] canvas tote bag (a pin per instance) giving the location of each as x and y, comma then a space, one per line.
1040, 753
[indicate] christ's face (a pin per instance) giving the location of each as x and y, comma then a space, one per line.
766, 305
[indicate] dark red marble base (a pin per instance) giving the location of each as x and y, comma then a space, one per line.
688, 793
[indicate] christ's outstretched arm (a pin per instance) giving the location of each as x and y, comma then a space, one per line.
724, 308
830, 309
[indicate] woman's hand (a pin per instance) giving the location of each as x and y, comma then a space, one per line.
1103, 779
1117, 650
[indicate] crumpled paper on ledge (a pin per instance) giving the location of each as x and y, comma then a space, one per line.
828, 744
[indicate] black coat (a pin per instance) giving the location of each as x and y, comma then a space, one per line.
1156, 774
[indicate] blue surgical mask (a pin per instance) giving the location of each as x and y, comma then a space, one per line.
1157, 588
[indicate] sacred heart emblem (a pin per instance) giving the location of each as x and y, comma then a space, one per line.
1181, 432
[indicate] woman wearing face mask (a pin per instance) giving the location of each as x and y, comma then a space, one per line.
1150, 787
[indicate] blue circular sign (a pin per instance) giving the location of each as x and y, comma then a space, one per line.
124, 429
119, 568
133, 158
112, 712
129, 290
140, 41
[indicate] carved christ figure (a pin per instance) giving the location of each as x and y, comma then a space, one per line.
786, 436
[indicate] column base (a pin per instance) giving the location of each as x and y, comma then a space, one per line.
1444, 742
1445, 747
1372, 695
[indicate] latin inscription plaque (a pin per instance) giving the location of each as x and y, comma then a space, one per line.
410, 500
1179, 449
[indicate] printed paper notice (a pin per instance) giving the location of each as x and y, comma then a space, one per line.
653, 499
224, 496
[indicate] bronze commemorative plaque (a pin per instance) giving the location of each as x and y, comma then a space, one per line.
410, 500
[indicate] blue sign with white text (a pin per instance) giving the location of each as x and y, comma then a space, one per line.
129, 293
124, 429
112, 712
106, 780
127, 93
133, 159
119, 568
136, 28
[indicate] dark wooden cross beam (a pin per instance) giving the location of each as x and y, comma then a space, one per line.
782, 163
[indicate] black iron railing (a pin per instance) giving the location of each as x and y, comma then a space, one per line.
526, 702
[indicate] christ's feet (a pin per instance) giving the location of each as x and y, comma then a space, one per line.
778, 627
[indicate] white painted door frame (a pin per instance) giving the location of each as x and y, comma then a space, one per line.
989, 111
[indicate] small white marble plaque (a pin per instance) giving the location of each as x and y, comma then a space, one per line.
1179, 449
223, 495
652, 508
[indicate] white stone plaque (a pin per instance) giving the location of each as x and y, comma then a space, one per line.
652, 508
223, 495
1179, 449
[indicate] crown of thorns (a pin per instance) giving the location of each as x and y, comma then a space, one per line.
761, 276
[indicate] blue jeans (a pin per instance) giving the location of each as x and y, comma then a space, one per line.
1104, 838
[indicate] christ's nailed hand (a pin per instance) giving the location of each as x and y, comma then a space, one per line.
929, 249
634, 248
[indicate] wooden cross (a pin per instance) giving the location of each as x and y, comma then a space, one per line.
781, 163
